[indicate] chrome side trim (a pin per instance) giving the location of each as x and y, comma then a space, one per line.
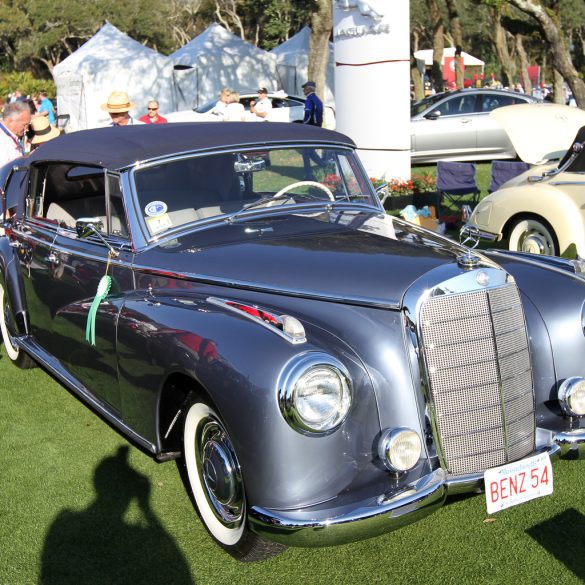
365, 519
55, 368
470, 228
225, 304
247, 285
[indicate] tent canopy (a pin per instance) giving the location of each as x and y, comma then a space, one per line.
426, 56
217, 58
292, 58
111, 61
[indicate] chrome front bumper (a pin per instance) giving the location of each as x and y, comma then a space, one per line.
372, 517
376, 516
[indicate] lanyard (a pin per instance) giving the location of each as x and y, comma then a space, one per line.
10, 135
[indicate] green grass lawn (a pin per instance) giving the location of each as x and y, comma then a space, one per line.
75, 510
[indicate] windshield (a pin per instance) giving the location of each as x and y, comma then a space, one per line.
174, 193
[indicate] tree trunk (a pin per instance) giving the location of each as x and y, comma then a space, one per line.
418, 88
526, 83
501, 46
561, 57
321, 26
558, 88
457, 33
438, 44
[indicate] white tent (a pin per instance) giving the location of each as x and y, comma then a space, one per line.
425, 58
292, 57
217, 58
111, 61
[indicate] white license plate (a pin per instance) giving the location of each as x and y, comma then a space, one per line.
518, 482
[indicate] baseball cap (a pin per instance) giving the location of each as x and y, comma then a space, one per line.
310, 84
262, 90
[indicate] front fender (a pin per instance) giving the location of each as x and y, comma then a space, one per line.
240, 363
561, 208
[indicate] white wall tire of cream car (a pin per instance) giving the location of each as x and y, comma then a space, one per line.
533, 235
15, 354
213, 478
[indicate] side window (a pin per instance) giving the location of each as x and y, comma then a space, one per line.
62, 193
491, 102
15, 193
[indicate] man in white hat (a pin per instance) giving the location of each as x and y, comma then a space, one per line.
15, 121
119, 106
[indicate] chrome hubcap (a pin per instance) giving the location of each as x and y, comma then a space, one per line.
536, 243
220, 472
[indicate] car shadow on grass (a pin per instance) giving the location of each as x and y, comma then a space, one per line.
99, 545
562, 536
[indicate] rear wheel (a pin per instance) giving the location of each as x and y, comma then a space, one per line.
533, 235
214, 481
15, 354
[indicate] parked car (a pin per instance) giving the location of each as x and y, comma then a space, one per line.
456, 125
285, 108
542, 211
322, 372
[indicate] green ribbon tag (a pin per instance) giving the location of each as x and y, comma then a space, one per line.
102, 292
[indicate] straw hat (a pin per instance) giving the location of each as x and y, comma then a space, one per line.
43, 130
118, 102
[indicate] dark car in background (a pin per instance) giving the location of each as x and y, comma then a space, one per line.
456, 125
321, 371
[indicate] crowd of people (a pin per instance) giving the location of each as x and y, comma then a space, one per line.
28, 122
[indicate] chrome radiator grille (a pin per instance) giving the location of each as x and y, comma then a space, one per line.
480, 378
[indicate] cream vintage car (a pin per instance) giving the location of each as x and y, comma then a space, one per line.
541, 211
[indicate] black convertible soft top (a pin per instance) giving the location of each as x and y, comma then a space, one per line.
119, 147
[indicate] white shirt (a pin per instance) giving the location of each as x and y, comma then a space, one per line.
9, 147
219, 109
263, 106
235, 112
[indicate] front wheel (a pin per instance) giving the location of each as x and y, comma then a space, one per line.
15, 354
213, 478
534, 236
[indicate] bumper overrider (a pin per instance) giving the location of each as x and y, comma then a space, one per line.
387, 512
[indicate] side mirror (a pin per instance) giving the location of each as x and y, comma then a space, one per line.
434, 115
88, 226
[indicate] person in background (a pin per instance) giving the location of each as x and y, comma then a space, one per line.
42, 131
45, 107
222, 103
16, 118
313, 105
235, 111
152, 117
119, 106
261, 108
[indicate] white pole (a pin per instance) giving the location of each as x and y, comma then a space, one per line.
372, 82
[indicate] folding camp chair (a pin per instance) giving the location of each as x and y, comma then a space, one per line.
456, 184
504, 170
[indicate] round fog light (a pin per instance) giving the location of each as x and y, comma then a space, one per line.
399, 449
572, 396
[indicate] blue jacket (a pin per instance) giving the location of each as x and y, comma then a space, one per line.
313, 111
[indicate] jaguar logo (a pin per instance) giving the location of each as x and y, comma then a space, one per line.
372, 8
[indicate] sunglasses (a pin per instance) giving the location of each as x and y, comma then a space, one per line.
153, 109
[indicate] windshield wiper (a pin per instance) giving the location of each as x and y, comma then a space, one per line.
268, 198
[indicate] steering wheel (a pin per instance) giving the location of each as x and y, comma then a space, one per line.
302, 184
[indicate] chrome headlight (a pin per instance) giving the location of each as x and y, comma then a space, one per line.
572, 396
315, 393
399, 449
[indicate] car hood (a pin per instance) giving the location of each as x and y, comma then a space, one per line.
540, 132
358, 257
